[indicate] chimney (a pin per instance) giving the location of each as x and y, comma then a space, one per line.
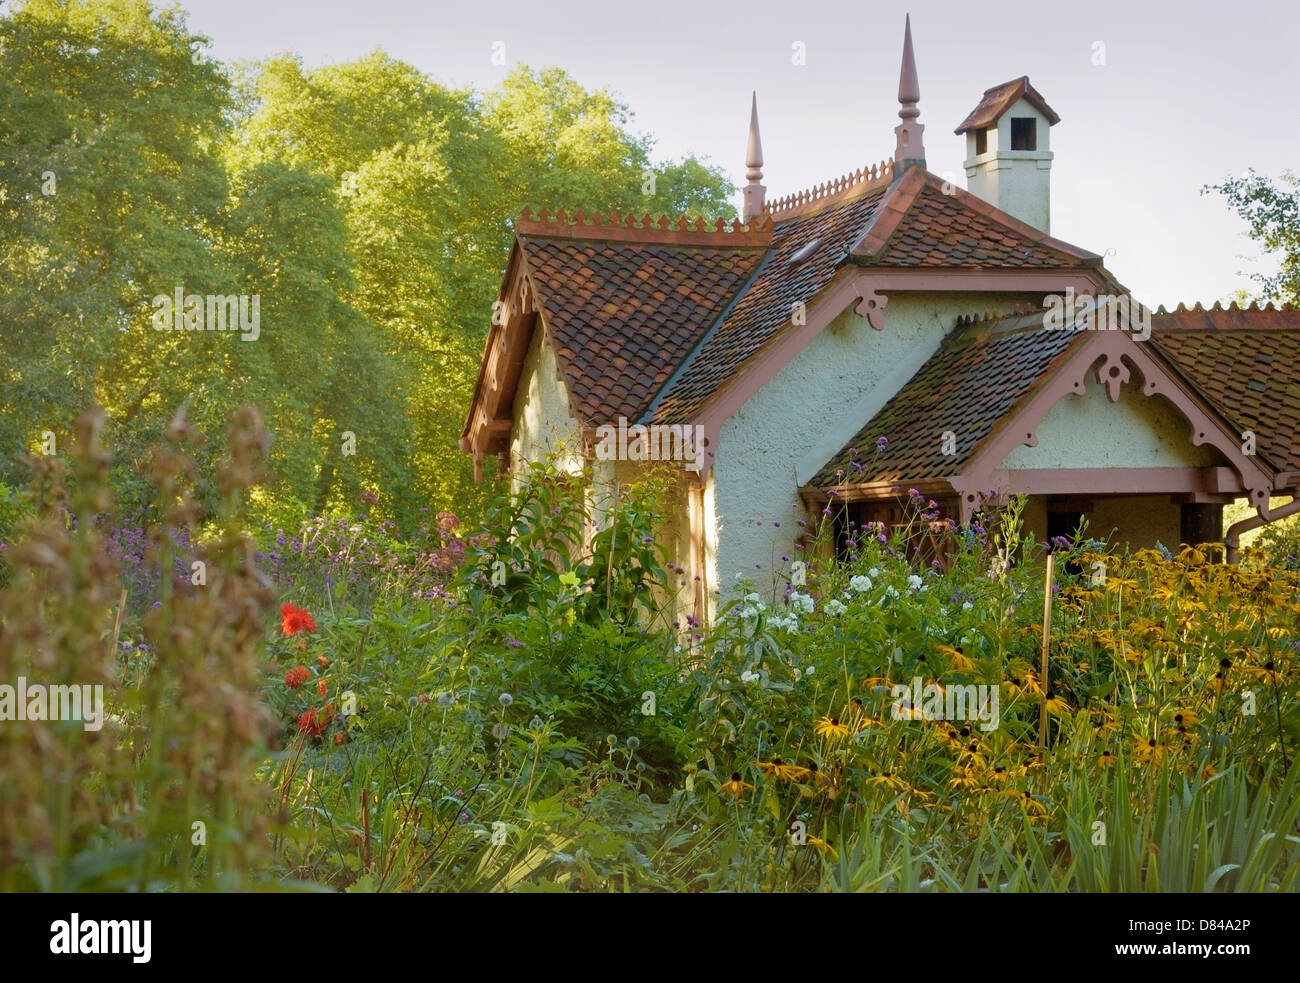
754, 163
909, 150
1008, 151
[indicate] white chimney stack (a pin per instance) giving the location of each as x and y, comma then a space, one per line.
1008, 151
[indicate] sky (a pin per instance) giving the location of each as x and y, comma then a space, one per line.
1186, 93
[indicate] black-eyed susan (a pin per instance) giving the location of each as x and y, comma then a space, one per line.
1056, 706
1106, 759
957, 659
1184, 718
889, 780
831, 728
1267, 673
778, 769
735, 787
1148, 751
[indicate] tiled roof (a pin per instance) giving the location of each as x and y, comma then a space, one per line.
1000, 98
928, 223
980, 372
768, 305
1246, 363
912, 223
653, 322
624, 314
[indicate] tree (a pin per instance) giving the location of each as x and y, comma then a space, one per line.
1272, 213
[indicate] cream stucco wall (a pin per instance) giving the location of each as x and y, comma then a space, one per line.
811, 408
543, 422
1090, 431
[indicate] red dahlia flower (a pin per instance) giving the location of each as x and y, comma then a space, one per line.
295, 619
296, 676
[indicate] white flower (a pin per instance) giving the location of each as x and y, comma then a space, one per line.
801, 602
967, 606
874, 572
860, 583
755, 600
810, 670
797, 675
835, 608
785, 622
891, 592
749, 677
914, 582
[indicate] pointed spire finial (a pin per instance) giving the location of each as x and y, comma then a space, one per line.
910, 149
754, 190
754, 152
909, 88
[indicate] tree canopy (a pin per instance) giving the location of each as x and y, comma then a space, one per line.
365, 205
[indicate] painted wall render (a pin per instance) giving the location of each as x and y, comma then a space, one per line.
812, 407
543, 422
1090, 431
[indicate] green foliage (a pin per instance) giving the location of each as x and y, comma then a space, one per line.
1272, 213
365, 204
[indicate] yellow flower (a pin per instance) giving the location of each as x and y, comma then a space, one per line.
1186, 718
823, 846
831, 727
1106, 760
1057, 706
1148, 751
735, 787
889, 780
1266, 673
781, 771
957, 658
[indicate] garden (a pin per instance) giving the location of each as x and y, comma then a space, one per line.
336, 704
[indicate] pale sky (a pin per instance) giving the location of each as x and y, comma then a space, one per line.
1189, 93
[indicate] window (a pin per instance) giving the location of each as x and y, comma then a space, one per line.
1024, 133
981, 142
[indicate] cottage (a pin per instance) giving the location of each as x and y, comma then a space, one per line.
884, 332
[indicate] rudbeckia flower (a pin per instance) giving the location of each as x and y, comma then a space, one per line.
1148, 751
735, 787
1266, 673
1057, 706
957, 659
831, 727
781, 771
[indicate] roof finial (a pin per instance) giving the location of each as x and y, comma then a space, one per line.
910, 149
754, 191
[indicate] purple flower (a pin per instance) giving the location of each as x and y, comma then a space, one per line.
881, 443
